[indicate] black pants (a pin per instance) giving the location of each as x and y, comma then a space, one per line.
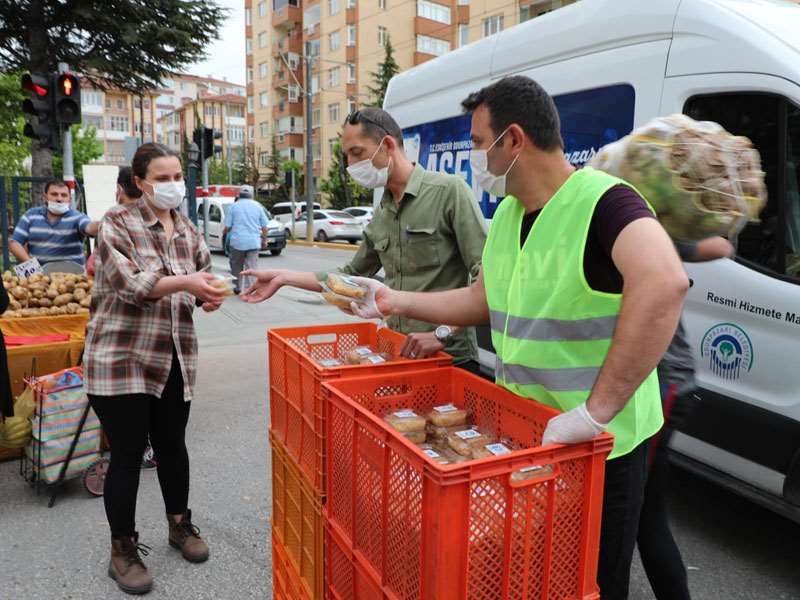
660, 555
622, 501
127, 420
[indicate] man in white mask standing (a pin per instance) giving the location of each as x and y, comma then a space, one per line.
427, 235
53, 232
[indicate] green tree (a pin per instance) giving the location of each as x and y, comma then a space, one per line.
341, 190
14, 146
386, 70
128, 44
85, 149
275, 174
217, 172
247, 171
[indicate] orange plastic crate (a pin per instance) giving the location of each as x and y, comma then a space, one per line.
286, 582
468, 531
297, 522
296, 406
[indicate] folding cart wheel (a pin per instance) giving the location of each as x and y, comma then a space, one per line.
94, 477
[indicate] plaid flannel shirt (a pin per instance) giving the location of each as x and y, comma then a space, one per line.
130, 338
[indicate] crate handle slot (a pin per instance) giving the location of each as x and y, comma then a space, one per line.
322, 338
533, 475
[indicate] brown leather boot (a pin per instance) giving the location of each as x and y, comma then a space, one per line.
186, 537
126, 566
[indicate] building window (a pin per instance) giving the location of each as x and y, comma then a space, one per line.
492, 25
263, 159
351, 3
351, 72
313, 47
92, 121
262, 99
315, 114
314, 84
351, 107
92, 98
382, 4
334, 77
263, 129
311, 17
108, 103
333, 112
248, 17
334, 7
263, 70
249, 104
351, 35
463, 34
262, 9
263, 41
316, 152
120, 104
382, 36
249, 75
248, 46
431, 45
294, 93
118, 124
251, 133
334, 40
433, 11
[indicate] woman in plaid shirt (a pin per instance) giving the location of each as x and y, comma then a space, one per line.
141, 354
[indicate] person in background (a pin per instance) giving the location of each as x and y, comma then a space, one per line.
6, 399
427, 234
141, 355
127, 193
660, 555
245, 228
53, 232
583, 290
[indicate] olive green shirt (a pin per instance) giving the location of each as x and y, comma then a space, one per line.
431, 242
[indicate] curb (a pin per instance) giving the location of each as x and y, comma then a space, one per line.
330, 245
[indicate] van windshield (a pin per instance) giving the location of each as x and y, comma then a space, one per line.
773, 125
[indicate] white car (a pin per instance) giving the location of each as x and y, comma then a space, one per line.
282, 211
218, 207
363, 214
330, 225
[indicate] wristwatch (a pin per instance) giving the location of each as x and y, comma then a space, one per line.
443, 333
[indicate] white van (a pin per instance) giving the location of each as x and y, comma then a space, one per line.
612, 65
282, 211
218, 207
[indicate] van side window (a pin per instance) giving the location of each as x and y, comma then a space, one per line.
214, 214
773, 125
281, 210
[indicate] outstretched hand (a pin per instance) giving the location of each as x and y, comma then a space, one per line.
266, 285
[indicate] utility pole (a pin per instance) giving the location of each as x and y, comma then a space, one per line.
309, 149
293, 197
69, 168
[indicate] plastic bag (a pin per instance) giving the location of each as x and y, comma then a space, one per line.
700, 180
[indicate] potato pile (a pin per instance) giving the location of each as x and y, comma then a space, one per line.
47, 295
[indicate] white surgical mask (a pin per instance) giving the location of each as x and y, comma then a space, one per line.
479, 161
57, 208
167, 195
366, 174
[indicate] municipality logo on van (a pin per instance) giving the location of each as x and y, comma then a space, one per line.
728, 350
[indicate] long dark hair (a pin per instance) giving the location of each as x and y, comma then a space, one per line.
147, 153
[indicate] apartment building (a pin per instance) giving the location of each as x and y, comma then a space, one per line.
123, 118
346, 39
225, 113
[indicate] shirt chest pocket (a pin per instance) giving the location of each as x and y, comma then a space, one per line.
149, 259
421, 248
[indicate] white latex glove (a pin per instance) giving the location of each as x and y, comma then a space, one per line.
367, 308
572, 427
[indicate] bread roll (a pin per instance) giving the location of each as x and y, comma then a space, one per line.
464, 441
406, 421
337, 300
355, 356
489, 450
415, 437
448, 415
344, 286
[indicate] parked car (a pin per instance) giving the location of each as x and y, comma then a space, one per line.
363, 214
218, 208
282, 211
330, 225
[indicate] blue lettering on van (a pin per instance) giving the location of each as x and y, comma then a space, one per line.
589, 120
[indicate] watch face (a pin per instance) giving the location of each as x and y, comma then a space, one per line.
442, 332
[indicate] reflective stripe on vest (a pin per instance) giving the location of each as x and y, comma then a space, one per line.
575, 379
553, 330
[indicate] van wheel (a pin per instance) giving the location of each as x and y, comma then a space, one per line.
276, 252
288, 234
322, 236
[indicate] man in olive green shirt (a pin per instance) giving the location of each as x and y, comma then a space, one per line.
427, 234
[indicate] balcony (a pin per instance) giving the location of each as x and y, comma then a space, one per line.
289, 140
423, 26
287, 109
282, 78
287, 17
291, 42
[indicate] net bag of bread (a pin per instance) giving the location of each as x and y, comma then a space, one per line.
700, 180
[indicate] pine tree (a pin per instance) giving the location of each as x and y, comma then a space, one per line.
341, 190
386, 70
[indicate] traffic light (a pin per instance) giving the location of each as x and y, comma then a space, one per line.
67, 99
39, 105
204, 138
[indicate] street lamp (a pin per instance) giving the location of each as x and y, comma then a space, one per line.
194, 156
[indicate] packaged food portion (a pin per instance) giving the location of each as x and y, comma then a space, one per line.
490, 450
700, 180
448, 415
529, 473
221, 282
345, 286
336, 299
415, 437
441, 433
330, 362
465, 441
406, 421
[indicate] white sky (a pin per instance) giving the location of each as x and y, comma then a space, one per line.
226, 56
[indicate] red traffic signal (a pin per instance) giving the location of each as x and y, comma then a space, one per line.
38, 105
37, 84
